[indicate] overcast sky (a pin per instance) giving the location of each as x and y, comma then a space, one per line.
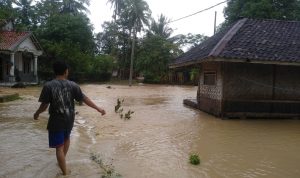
202, 23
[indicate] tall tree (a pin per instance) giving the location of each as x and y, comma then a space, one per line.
68, 37
161, 27
46, 9
25, 12
108, 41
267, 9
138, 13
189, 41
153, 57
6, 10
75, 6
118, 6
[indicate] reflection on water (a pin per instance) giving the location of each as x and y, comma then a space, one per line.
156, 142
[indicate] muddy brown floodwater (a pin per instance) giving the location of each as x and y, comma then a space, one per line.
156, 142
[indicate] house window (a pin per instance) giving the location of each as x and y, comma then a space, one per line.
210, 78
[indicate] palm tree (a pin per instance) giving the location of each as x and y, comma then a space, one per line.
161, 27
75, 6
45, 9
138, 14
118, 6
25, 10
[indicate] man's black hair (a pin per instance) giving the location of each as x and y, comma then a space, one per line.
60, 67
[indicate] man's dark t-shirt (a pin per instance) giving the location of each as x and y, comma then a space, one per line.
60, 94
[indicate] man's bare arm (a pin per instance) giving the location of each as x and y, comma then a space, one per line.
41, 109
91, 104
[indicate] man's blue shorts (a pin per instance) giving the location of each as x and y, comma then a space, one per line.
57, 139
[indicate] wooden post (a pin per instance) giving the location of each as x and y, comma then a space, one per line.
222, 91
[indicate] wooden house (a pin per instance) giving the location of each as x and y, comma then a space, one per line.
19, 53
250, 69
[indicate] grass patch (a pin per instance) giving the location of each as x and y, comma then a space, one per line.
11, 97
194, 159
109, 171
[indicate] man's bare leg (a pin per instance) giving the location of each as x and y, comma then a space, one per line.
66, 146
61, 159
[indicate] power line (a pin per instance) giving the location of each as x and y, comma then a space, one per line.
198, 11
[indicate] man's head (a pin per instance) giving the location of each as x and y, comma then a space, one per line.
60, 68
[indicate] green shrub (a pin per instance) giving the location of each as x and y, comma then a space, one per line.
194, 159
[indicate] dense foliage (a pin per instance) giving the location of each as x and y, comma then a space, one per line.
132, 43
263, 9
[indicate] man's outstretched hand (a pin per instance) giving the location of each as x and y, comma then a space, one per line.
102, 111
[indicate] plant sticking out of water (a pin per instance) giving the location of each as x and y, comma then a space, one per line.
194, 159
128, 115
119, 110
109, 171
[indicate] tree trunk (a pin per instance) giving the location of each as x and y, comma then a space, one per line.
127, 54
132, 56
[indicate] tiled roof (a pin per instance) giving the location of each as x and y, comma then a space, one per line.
10, 39
249, 40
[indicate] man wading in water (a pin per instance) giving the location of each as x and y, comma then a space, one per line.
60, 93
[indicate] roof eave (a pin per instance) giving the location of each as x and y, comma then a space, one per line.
36, 43
189, 63
255, 61
222, 59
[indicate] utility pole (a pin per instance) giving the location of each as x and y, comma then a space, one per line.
215, 24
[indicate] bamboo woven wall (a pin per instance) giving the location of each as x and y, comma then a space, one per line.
259, 88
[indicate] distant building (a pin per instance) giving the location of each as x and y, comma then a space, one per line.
19, 53
250, 69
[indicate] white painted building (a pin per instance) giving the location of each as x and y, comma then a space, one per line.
19, 52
